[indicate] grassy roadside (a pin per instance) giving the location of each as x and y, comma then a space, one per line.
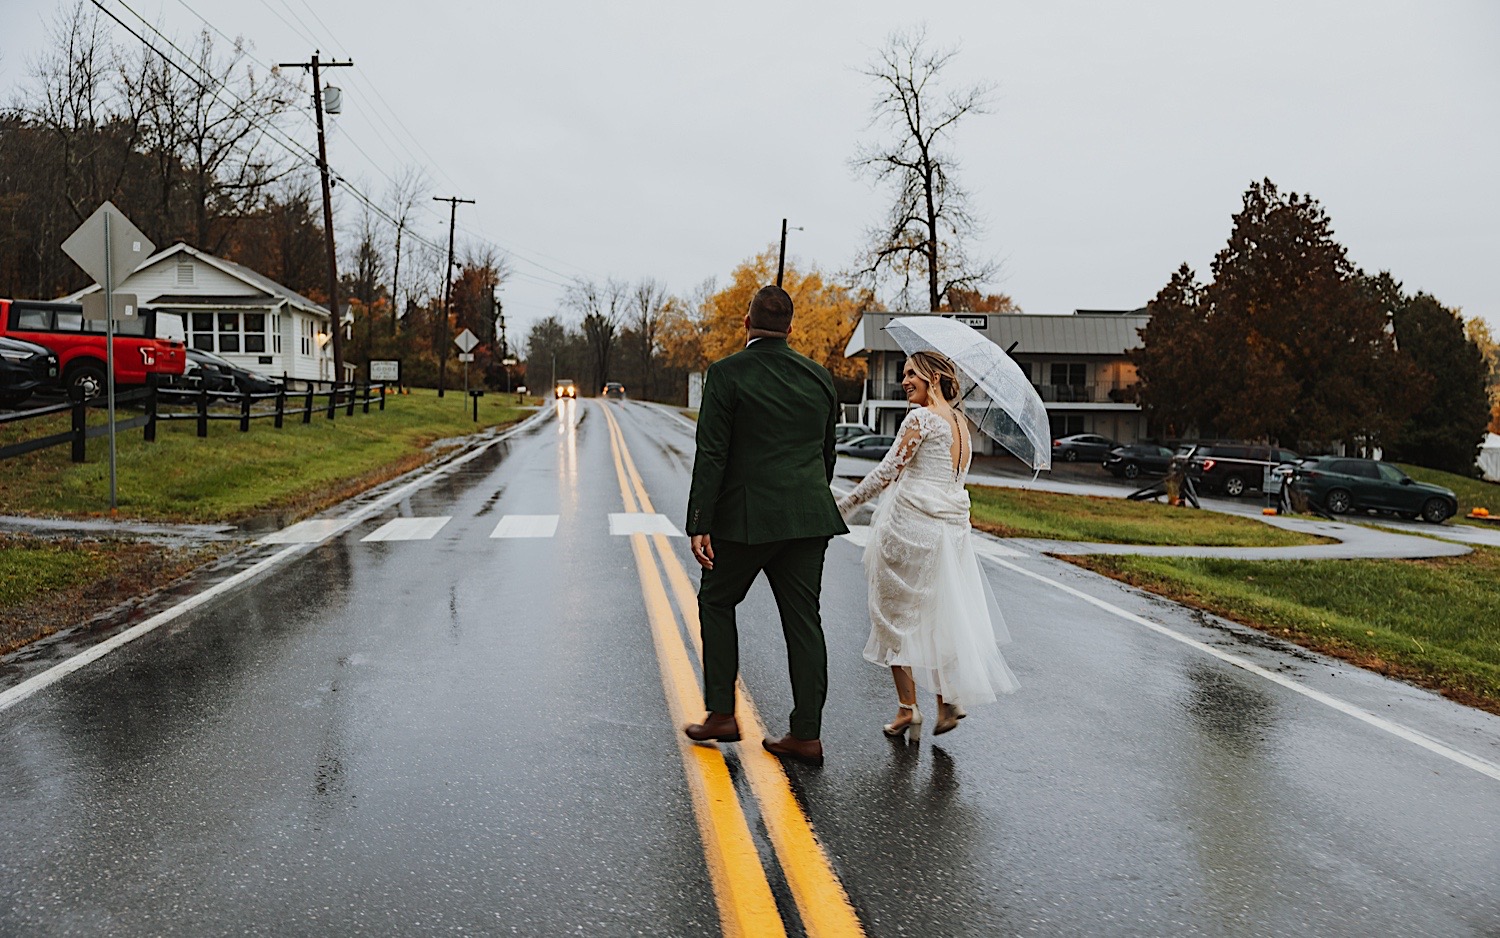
232, 475
1435, 623
1471, 492
1007, 512
47, 584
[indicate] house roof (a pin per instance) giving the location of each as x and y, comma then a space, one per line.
261, 282
1079, 333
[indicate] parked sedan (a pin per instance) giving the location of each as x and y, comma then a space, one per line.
866, 447
844, 432
24, 367
1128, 462
1342, 484
239, 378
1084, 446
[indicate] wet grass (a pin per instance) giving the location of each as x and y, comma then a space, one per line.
230, 475
1007, 512
1472, 493
1435, 623
48, 584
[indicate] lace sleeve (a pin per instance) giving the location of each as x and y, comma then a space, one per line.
890, 467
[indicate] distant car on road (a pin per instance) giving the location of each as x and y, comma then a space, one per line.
1342, 484
24, 367
1085, 446
844, 432
565, 388
866, 447
1137, 459
614, 389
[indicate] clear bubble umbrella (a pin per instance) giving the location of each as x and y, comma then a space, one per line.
996, 394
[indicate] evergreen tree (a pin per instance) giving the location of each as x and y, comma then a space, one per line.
1170, 360
1448, 429
1294, 346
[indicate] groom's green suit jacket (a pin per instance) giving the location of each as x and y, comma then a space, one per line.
765, 448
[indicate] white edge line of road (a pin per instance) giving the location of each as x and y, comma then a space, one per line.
62, 669
1464, 759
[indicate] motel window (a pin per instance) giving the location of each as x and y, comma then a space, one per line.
1069, 374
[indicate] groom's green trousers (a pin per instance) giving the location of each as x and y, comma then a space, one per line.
795, 571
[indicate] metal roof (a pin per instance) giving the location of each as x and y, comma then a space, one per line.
1081, 333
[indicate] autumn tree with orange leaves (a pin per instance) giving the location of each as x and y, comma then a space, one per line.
711, 325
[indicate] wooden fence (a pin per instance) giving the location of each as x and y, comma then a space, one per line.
273, 406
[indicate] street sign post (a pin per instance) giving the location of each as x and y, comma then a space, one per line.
109, 249
466, 341
125, 307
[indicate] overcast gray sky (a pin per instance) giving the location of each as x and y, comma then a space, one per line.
669, 139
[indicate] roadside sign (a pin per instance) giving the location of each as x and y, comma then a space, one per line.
109, 249
127, 247
124, 303
465, 356
385, 370
466, 341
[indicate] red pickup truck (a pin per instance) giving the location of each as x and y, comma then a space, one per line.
80, 347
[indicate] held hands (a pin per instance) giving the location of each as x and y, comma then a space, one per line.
703, 551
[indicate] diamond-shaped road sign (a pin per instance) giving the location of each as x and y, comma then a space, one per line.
466, 341
127, 246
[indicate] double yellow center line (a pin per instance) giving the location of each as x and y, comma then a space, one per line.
741, 888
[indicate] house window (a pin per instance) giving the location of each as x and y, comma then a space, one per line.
276, 333
229, 332
185, 273
201, 332
307, 337
255, 333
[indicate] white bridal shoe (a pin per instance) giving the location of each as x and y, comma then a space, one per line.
912, 727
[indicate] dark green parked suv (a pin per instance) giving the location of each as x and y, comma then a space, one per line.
1342, 484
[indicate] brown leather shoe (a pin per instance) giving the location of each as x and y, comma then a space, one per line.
808, 751
716, 727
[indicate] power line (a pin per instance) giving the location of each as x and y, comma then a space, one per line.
293, 146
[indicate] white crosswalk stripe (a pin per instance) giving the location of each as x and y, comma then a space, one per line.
641, 523
306, 532
526, 526
408, 529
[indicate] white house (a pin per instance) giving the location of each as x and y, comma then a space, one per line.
234, 312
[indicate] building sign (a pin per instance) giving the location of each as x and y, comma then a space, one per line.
389, 371
978, 322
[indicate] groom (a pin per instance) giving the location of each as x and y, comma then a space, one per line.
760, 502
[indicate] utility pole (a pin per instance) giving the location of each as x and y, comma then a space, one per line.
453, 202
333, 264
396, 280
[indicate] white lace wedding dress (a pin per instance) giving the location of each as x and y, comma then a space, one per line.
931, 608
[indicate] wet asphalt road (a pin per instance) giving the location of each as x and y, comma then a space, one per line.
469, 735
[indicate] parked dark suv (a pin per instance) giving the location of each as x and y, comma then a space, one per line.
1234, 468
1343, 484
24, 367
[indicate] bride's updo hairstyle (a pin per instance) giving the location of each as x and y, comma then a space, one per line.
938, 371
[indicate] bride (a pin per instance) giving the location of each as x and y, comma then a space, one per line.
933, 619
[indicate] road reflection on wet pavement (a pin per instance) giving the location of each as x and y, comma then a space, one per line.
466, 732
